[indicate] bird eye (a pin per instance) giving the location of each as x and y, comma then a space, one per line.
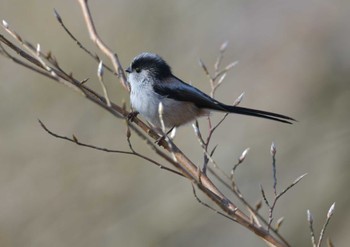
138, 70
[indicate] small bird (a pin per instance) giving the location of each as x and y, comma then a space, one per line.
152, 82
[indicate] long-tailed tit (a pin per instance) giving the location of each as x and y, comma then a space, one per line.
152, 83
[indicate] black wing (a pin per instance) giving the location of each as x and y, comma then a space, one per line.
175, 88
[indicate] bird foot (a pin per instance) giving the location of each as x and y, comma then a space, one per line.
163, 136
132, 115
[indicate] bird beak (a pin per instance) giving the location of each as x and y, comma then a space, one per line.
128, 70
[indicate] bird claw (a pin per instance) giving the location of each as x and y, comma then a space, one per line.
132, 115
163, 136
159, 140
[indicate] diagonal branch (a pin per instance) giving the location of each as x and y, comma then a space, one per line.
186, 166
183, 164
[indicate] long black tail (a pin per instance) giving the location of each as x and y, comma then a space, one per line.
259, 113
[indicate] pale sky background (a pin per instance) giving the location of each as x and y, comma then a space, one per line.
294, 59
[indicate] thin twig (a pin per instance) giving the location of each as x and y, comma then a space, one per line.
75, 140
271, 205
101, 45
323, 230
311, 227
208, 206
100, 78
80, 45
273, 151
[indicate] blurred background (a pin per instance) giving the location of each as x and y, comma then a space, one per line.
294, 59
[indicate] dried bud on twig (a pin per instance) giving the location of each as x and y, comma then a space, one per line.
231, 65
329, 243
100, 69
223, 47
258, 205
201, 63
239, 99
221, 79
83, 81
5, 24
75, 138
309, 216
38, 49
331, 210
243, 155
273, 149
279, 223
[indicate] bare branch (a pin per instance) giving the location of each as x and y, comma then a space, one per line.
50, 67
101, 45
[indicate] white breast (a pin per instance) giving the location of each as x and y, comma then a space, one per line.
175, 113
146, 101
